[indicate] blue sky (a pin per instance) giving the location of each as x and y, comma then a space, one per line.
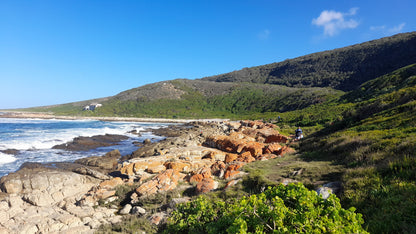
54, 52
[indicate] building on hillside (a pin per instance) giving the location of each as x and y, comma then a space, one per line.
92, 106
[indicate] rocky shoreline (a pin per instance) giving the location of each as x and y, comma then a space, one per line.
82, 196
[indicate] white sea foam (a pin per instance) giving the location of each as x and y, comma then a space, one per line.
6, 158
40, 138
34, 138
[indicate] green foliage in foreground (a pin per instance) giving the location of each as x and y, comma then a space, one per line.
279, 209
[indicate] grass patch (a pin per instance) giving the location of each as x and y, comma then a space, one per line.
130, 224
293, 167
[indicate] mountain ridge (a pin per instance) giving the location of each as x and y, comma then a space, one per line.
343, 68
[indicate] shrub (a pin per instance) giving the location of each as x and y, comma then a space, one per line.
279, 209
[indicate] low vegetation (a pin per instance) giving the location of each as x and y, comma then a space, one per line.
282, 209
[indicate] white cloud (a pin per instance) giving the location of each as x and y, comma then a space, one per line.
388, 31
378, 28
397, 29
264, 35
333, 21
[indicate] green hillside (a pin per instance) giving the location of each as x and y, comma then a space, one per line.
376, 140
344, 69
201, 99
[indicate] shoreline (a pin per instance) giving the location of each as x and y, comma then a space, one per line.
40, 115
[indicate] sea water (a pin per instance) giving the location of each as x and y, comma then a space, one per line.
32, 139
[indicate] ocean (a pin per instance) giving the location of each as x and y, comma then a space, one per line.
32, 139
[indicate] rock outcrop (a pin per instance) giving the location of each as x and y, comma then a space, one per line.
44, 200
193, 156
88, 143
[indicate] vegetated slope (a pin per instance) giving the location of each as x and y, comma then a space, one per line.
199, 99
375, 138
344, 69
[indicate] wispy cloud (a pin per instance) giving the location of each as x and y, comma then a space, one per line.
333, 21
264, 35
388, 30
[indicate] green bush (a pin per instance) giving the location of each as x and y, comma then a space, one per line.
280, 209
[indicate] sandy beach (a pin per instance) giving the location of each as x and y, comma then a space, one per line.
45, 115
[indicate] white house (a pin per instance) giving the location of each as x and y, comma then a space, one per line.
92, 106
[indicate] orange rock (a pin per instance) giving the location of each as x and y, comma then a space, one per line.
140, 166
246, 157
206, 185
128, 169
165, 181
150, 187
199, 164
273, 148
235, 166
156, 169
250, 132
178, 166
153, 163
205, 172
237, 136
255, 148
103, 194
231, 174
196, 178
265, 132
201, 173
285, 149
217, 167
111, 183
253, 124
276, 138
230, 157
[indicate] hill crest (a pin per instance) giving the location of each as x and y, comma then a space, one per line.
344, 68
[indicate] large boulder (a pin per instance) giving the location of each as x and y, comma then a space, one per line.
88, 143
44, 186
109, 161
255, 148
273, 148
178, 166
218, 168
165, 181
200, 174
246, 157
206, 185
